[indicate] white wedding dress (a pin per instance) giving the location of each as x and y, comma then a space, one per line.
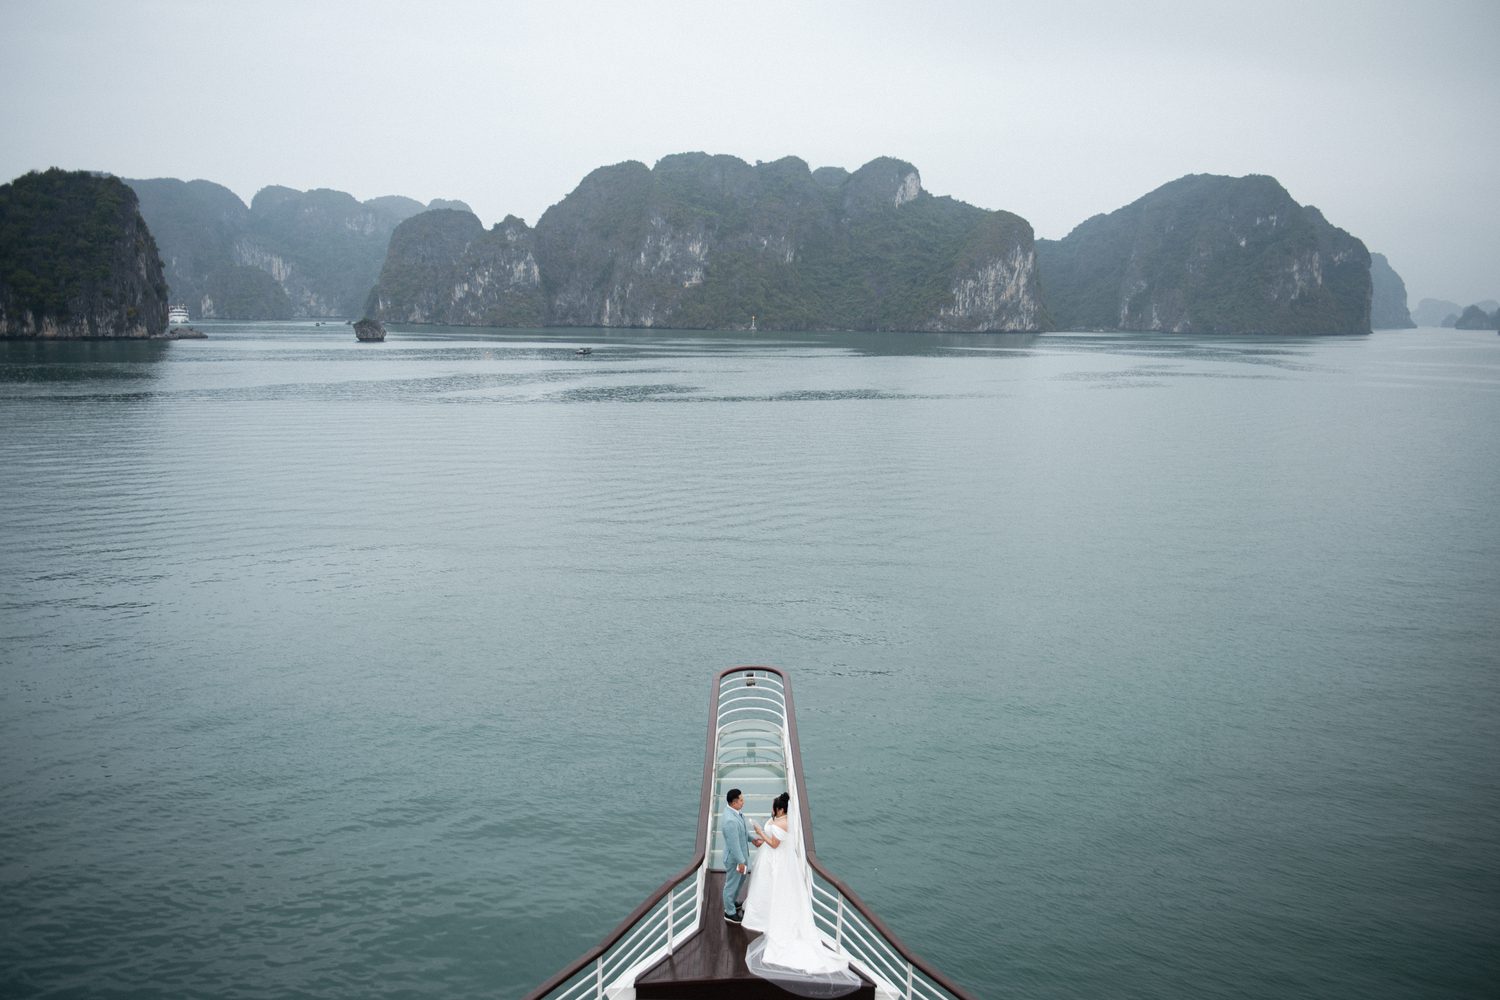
790, 952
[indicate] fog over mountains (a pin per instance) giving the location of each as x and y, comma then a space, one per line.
287, 254
1056, 112
710, 242
713, 242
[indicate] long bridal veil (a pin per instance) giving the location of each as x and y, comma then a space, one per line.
791, 952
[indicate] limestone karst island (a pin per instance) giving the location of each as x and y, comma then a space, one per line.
696, 242
76, 260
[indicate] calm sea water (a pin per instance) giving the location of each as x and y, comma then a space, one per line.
1126, 666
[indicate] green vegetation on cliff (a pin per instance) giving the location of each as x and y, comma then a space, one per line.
795, 250
1208, 254
444, 267
708, 242
429, 248
76, 259
58, 231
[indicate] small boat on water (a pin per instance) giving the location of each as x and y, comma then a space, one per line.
677, 945
583, 351
177, 316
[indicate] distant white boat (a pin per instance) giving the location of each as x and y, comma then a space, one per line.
177, 315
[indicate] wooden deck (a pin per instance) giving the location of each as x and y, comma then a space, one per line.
712, 962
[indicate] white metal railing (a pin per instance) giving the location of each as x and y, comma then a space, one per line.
655, 935
845, 927
752, 707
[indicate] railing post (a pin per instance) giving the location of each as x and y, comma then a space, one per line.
599, 977
671, 896
838, 929
909, 973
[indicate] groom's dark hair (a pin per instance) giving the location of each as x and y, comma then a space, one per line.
734, 793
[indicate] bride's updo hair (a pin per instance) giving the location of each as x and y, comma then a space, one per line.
780, 803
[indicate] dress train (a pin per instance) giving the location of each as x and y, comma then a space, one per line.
790, 951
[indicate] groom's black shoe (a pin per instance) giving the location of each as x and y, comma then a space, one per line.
735, 917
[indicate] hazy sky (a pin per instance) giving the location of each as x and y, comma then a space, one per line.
1381, 113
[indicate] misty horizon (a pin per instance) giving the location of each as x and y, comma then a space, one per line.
1371, 113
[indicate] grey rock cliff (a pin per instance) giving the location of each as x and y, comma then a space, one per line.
1208, 254
1475, 317
1387, 297
443, 267
708, 242
289, 253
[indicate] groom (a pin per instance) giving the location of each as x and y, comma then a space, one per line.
737, 841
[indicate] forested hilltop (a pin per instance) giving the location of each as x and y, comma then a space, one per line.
1210, 254
77, 260
287, 254
709, 242
712, 242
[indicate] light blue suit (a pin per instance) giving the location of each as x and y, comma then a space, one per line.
736, 852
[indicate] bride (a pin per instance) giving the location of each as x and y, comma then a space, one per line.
790, 952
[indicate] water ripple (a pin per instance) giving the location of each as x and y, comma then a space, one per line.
335, 671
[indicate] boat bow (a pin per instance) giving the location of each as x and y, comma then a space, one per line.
674, 945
